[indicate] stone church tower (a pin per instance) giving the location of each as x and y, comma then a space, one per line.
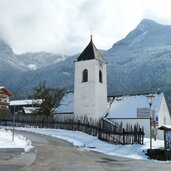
90, 87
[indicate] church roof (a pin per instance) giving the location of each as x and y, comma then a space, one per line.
127, 106
90, 52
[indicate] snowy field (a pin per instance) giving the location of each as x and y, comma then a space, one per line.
19, 141
87, 142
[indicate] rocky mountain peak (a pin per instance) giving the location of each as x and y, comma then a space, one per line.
146, 24
147, 34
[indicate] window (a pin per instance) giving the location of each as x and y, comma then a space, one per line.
85, 75
100, 76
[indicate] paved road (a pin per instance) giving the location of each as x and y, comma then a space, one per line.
57, 155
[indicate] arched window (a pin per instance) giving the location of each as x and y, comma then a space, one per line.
85, 75
100, 76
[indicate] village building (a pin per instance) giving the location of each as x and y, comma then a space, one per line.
90, 98
27, 106
134, 109
5, 94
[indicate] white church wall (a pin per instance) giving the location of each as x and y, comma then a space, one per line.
164, 115
84, 91
90, 98
101, 91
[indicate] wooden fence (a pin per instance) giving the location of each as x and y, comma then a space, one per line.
103, 129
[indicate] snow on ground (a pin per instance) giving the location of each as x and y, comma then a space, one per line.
87, 142
19, 141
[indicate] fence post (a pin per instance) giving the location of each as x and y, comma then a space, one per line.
78, 125
123, 132
99, 130
142, 135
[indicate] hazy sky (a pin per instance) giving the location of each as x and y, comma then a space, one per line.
64, 26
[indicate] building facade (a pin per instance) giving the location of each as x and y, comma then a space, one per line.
5, 94
4, 97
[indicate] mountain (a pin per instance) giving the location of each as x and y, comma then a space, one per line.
10, 66
33, 61
142, 59
17, 70
140, 62
147, 34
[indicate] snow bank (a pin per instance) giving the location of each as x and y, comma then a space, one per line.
88, 142
19, 141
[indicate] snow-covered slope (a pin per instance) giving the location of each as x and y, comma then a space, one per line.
147, 34
7, 57
38, 60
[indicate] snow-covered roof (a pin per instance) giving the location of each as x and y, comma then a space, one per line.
126, 106
165, 127
66, 104
25, 102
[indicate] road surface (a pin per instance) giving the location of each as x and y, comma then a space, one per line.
51, 154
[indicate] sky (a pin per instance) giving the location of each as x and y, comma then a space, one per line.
65, 26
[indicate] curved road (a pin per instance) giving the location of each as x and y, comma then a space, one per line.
58, 155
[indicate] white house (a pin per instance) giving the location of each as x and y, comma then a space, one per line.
90, 86
135, 109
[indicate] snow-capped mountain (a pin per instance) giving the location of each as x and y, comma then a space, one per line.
140, 62
147, 34
38, 60
142, 59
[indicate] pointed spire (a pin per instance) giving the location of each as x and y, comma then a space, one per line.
90, 52
91, 36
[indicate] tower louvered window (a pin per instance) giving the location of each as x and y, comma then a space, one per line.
85, 75
100, 76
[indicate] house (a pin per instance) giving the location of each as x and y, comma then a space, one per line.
133, 109
5, 94
24, 106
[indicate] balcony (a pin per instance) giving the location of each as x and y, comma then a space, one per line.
3, 95
4, 103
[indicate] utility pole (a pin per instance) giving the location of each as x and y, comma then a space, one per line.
150, 99
13, 123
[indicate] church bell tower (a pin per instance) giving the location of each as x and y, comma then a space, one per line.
90, 86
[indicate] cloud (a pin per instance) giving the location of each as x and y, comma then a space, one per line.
64, 26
